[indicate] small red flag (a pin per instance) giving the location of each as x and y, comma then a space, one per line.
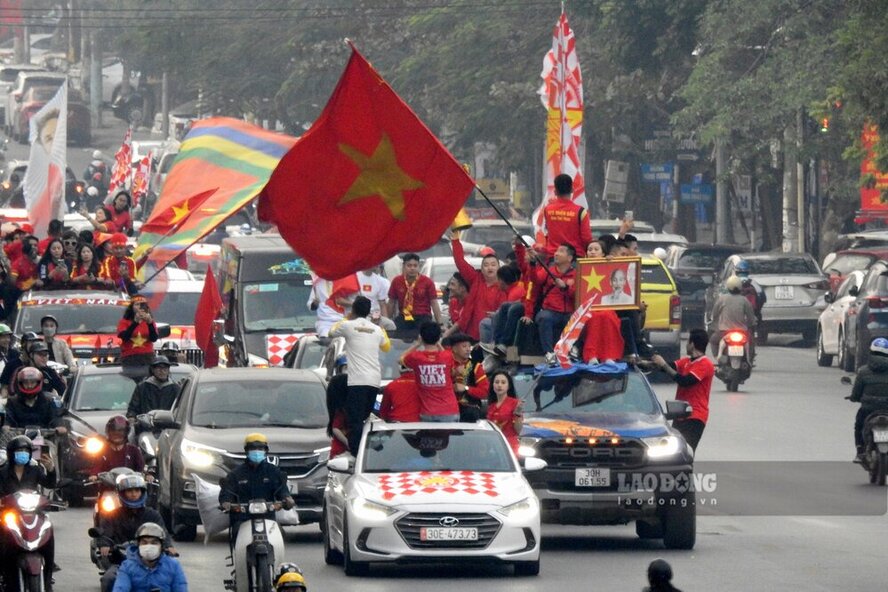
342, 288
366, 182
208, 308
175, 215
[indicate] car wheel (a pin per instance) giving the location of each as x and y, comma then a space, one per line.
352, 568
181, 532
527, 568
808, 336
845, 362
648, 530
331, 555
680, 525
823, 359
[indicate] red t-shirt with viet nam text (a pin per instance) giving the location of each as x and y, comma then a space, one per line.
697, 395
432, 371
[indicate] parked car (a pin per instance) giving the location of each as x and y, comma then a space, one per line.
78, 130
598, 432
95, 394
870, 319
693, 267
431, 493
24, 81
839, 264
204, 433
830, 326
793, 284
8, 74
40, 44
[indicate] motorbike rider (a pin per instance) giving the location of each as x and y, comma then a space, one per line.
870, 390
157, 391
751, 289
732, 311
256, 479
52, 380
7, 349
121, 526
13, 363
32, 406
290, 577
22, 471
171, 351
118, 452
147, 568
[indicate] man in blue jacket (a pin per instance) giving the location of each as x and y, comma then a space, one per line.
147, 567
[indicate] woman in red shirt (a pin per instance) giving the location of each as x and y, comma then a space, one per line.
137, 333
87, 269
504, 408
52, 269
120, 212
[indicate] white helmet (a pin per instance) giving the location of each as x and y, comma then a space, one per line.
733, 284
97, 155
92, 191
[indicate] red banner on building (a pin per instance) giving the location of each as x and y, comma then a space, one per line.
871, 195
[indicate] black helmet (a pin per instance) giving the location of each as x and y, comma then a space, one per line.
18, 443
49, 318
169, 346
38, 346
160, 361
659, 572
30, 336
118, 423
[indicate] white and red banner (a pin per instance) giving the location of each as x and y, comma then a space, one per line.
44, 182
140, 179
120, 173
562, 96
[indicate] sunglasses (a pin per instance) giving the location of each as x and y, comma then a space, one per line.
69, 242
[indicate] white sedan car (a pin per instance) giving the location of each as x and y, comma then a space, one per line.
841, 304
439, 493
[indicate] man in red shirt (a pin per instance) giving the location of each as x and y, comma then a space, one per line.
693, 375
555, 291
432, 369
413, 296
400, 398
119, 269
485, 294
564, 222
23, 274
470, 384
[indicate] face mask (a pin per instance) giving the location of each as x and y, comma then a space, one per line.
22, 457
256, 456
149, 552
49, 331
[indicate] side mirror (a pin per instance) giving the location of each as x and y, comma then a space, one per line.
531, 463
829, 297
340, 464
163, 330
846, 380
678, 410
854, 291
146, 422
163, 420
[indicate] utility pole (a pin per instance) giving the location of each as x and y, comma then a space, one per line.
790, 190
800, 182
165, 105
721, 194
95, 80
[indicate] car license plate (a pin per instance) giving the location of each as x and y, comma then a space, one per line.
593, 478
448, 534
784, 292
293, 487
735, 350
880, 436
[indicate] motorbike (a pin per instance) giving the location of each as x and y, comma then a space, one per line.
129, 107
107, 498
258, 544
875, 443
734, 365
146, 437
29, 530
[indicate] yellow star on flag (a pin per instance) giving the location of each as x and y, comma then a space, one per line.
380, 177
138, 340
593, 280
180, 212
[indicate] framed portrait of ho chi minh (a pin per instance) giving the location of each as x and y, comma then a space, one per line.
610, 283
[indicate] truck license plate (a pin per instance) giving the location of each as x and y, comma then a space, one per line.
593, 478
880, 436
784, 292
448, 534
735, 350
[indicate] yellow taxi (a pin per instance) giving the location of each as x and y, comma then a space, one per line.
662, 319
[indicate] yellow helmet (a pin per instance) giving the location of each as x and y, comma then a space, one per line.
290, 581
255, 440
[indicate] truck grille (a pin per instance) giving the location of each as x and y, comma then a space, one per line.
194, 356
410, 525
626, 454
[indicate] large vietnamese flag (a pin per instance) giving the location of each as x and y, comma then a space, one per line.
366, 182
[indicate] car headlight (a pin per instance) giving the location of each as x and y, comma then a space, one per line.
196, 455
527, 447
323, 454
254, 361
367, 510
523, 510
662, 446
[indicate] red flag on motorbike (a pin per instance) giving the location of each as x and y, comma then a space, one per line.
208, 308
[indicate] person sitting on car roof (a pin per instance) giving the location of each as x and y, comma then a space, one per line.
118, 268
53, 269
155, 392
88, 268
120, 212
58, 350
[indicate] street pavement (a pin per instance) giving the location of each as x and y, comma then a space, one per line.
790, 410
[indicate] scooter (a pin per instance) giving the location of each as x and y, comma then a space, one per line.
733, 362
875, 443
258, 544
29, 530
107, 499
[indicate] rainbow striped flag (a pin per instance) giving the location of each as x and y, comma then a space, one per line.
229, 160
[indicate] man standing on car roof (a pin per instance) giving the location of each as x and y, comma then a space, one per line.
413, 296
565, 222
693, 374
363, 342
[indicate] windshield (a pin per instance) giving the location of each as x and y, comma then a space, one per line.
259, 404
175, 308
782, 266
845, 264
42, 93
590, 393
702, 259
654, 274
395, 451
277, 305
111, 392
87, 318
493, 234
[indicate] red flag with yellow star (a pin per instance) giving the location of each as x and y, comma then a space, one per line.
176, 214
366, 182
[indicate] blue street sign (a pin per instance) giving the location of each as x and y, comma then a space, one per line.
694, 194
655, 173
